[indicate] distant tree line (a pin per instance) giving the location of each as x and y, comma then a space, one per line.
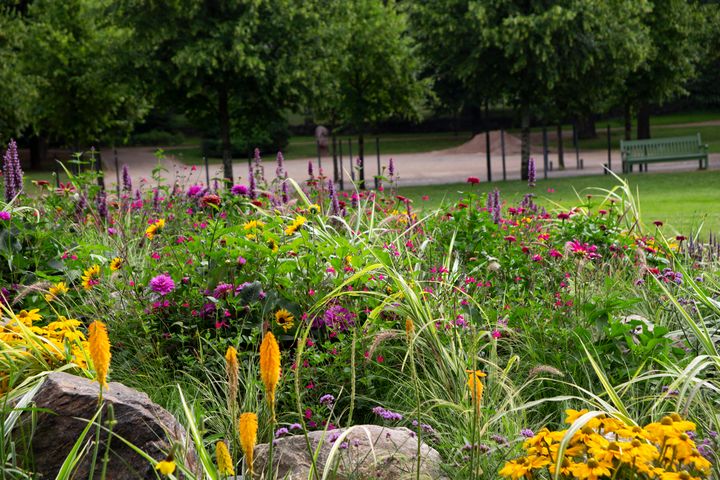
79, 72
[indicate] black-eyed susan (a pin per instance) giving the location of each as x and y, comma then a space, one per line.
116, 264
295, 225
154, 228
26, 317
284, 319
592, 469
272, 245
314, 208
55, 291
91, 277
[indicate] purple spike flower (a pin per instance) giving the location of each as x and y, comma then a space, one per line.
101, 204
127, 181
391, 168
489, 203
156, 199
497, 207
531, 172
253, 184
334, 204
311, 173
280, 167
80, 206
12, 172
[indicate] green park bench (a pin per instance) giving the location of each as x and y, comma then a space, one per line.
670, 149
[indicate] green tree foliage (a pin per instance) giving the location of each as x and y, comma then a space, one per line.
534, 53
82, 63
17, 92
232, 63
374, 70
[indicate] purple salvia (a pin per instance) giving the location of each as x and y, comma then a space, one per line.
127, 181
156, 199
253, 184
9, 171
138, 195
489, 204
497, 207
17, 169
311, 173
354, 200
391, 168
216, 186
279, 169
101, 204
80, 206
531, 172
285, 190
334, 203
258, 166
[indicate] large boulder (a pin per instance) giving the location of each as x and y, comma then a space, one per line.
368, 451
69, 399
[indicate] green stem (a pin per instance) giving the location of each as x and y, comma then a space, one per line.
352, 378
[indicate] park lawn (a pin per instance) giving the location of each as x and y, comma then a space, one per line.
304, 146
685, 201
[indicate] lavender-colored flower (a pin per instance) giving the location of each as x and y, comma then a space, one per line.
162, 284
489, 203
239, 190
295, 426
138, 195
334, 203
311, 173
391, 168
338, 317
259, 169
500, 440
12, 172
126, 180
527, 433
387, 414
497, 207
156, 199
531, 172
80, 206
327, 400
101, 204
281, 432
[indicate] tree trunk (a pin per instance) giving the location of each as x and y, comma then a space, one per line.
361, 156
628, 121
224, 118
586, 126
525, 139
561, 151
38, 151
643, 121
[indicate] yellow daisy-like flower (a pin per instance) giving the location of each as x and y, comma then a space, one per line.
116, 264
166, 467
285, 319
154, 228
272, 245
591, 470
253, 225
295, 225
26, 318
55, 291
314, 208
90, 277
516, 469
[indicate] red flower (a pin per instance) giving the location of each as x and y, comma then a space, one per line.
473, 180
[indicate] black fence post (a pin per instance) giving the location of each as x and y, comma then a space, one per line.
57, 172
578, 165
545, 152
207, 171
335, 159
117, 173
377, 151
98, 168
609, 145
342, 174
487, 154
561, 149
352, 167
502, 148
319, 154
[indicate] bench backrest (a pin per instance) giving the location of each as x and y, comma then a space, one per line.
661, 147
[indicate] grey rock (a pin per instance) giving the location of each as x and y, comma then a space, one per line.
369, 452
137, 419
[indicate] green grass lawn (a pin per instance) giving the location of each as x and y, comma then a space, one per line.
684, 201
304, 146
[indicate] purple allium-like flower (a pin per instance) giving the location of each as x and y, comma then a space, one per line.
195, 190
162, 284
499, 439
387, 414
531, 172
281, 432
239, 190
334, 203
101, 204
126, 180
12, 172
527, 433
327, 400
338, 317
5, 216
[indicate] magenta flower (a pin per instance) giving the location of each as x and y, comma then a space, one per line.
4, 215
162, 284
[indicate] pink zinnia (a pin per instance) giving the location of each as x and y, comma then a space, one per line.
4, 215
162, 284
473, 180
